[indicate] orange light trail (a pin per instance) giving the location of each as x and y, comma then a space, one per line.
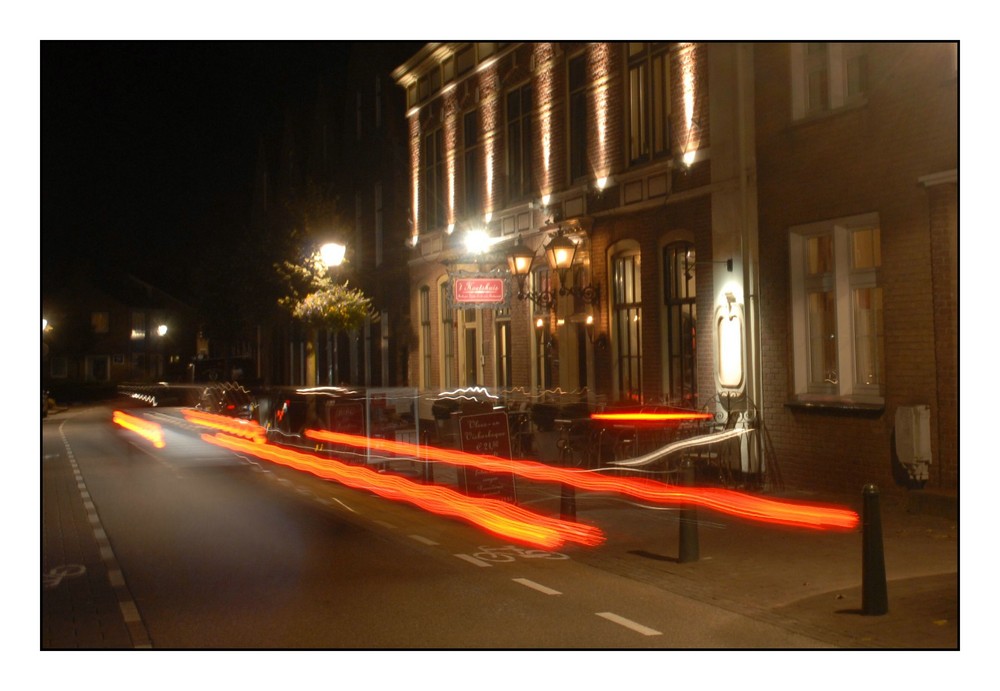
498, 517
150, 431
813, 516
651, 417
247, 429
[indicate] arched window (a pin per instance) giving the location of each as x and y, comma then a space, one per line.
626, 306
425, 337
679, 299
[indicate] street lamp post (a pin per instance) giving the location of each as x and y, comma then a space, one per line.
333, 256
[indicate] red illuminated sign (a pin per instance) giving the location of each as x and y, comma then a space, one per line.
478, 290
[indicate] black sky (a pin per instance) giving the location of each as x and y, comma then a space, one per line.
148, 148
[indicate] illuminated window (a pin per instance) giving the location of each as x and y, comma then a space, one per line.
99, 322
504, 345
432, 180
425, 337
447, 337
138, 326
519, 136
472, 160
679, 279
827, 76
837, 317
648, 101
627, 323
541, 318
578, 117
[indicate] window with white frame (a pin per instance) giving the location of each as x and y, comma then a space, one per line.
837, 309
827, 76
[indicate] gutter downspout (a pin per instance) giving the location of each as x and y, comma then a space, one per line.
749, 239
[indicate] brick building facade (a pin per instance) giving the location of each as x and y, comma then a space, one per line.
701, 184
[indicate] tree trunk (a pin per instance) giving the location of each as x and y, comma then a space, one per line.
312, 335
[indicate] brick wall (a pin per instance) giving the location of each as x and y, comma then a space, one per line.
859, 160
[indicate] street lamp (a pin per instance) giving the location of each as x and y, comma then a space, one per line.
332, 254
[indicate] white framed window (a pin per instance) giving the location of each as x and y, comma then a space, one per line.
837, 310
827, 76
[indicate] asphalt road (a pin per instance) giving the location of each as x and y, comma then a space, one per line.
219, 551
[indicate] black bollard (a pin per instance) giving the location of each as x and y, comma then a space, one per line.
567, 503
874, 598
688, 548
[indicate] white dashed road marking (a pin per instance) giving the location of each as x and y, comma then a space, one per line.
537, 586
130, 613
424, 540
628, 623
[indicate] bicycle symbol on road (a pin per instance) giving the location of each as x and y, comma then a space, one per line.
512, 552
58, 574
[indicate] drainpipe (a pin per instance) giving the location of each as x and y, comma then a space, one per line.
749, 240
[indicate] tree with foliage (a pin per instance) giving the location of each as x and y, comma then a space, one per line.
319, 301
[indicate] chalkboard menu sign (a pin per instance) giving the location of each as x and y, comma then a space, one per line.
487, 433
348, 418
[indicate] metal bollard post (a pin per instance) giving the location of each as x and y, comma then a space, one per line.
567, 503
874, 598
688, 548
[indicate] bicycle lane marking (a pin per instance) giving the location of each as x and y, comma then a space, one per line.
473, 560
126, 605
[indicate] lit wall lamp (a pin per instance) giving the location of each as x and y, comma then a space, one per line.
602, 183
520, 260
727, 262
730, 301
598, 340
561, 253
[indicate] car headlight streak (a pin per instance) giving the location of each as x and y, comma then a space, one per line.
150, 431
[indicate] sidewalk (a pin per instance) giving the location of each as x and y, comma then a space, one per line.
80, 606
803, 580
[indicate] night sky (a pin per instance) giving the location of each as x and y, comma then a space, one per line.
148, 148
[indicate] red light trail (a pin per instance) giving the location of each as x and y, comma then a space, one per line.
498, 517
247, 429
150, 431
813, 516
651, 417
